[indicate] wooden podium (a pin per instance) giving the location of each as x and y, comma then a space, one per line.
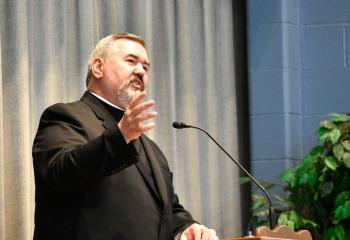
280, 232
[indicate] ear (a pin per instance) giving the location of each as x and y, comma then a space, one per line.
97, 67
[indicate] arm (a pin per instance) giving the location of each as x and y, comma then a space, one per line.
67, 158
70, 154
189, 230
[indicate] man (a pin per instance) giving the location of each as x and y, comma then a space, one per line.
97, 175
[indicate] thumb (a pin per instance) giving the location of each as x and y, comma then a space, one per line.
183, 237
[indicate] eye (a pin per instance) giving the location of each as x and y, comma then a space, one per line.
145, 67
130, 60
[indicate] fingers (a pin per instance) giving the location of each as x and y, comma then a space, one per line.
208, 234
198, 232
212, 235
131, 125
139, 109
147, 127
183, 237
205, 235
138, 98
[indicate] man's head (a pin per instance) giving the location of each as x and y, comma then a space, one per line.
118, 68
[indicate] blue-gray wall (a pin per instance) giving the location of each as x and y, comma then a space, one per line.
299, 72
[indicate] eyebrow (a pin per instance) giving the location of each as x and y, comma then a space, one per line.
134, 56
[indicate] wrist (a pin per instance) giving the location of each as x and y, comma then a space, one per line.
177, 237
126, 139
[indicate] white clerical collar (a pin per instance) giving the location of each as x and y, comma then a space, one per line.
106, 101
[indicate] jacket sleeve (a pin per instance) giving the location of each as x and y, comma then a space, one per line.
67, 158
182, 218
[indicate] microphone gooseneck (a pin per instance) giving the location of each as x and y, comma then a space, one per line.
272, 218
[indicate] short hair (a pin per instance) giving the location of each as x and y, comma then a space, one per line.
104, 48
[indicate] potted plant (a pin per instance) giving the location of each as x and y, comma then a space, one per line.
318, 188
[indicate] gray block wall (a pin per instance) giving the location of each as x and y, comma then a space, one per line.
298, 71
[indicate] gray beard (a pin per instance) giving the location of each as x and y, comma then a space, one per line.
126, 93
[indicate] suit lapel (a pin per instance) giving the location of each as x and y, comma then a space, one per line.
100, 112
158, 175
145, 168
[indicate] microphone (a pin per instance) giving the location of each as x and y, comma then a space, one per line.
180, 125
272, 217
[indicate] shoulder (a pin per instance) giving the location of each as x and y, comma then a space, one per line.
63, 121
62, 111
65, 107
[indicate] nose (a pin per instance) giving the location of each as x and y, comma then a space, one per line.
140, 73
140, 69
139, 77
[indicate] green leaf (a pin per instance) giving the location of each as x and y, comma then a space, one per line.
309, 222
327, 188
294, 217
346, 210
291, 224
244, 180
262, 213
317, 196
301, 173
322, 177
312, 178
259, 202
338, 151
303, 179
309, 160
323, 133
316, 151
268, 185
335, 233
257, 205
283, 202
338, 213
331, 163
346, 159
336, 221
343, 211
341, 198
282, 219
288, 176
340, 117
334, 135
346, 145
324, 137
290, 218
327, 124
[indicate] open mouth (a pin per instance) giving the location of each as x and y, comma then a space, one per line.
137, 84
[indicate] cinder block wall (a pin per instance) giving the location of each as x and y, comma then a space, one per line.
299, 72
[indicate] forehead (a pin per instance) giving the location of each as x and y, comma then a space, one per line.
126, 47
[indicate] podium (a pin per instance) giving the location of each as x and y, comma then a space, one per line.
278, 233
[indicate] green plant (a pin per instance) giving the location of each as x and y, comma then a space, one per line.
318, 189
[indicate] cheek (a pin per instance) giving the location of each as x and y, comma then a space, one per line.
116, 75
145, 80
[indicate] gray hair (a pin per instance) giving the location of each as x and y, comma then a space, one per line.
104, 47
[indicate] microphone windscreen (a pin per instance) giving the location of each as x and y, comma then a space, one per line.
177, 125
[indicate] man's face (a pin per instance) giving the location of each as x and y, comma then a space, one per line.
125, 71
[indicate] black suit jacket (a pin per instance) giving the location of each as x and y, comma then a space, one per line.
90, 184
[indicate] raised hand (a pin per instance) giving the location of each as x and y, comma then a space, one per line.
131, 125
